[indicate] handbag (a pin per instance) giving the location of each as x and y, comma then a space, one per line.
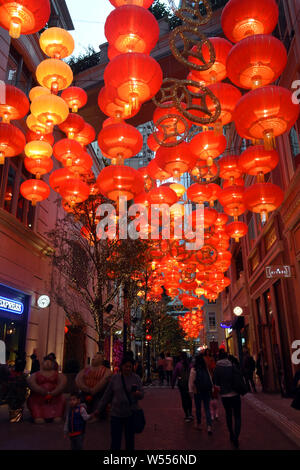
238, 383
139, 420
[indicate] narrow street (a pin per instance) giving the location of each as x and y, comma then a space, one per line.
165, 430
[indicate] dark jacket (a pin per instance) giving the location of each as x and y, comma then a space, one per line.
222, 377
76, 420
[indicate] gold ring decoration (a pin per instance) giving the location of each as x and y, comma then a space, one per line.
176, 253
206, 177
165, 97
172, 130
194, 12
191, 36
191, 100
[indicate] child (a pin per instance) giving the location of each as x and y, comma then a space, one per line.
75, 422
214, 403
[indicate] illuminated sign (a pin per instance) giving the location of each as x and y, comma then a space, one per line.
43, 301
278, 271
11, 306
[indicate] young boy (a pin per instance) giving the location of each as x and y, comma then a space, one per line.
75, 422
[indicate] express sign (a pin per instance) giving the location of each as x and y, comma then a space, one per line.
11, 306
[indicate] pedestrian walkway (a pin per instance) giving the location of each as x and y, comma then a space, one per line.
165, 430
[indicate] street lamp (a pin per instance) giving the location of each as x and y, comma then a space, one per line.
238, 311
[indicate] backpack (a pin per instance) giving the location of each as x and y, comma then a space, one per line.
203, 381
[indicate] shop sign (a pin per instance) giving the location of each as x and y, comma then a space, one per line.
11, 306
278, 271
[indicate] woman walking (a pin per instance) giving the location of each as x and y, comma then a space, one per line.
123, 392
181, 374
200, 385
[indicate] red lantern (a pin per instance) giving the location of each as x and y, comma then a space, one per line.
176, 160
237, 230
217, 72
75, 98
263, 198
131, 28
162, 195
223, 261
120, 141
24, 16
59, 177
66, 151
207, 146
86, 136
35, 190
74, 190
39, 166
258, 161
241, 18
221, 219
12, 141
139, 3
72, 125
110, 104
232, 200
199, 193
117, 181
215, 192
229, 169
175, 123
155, 172
136, 77
14, 103
31, 136
265, 113
82, 164
256, 61
234, 182
228, 96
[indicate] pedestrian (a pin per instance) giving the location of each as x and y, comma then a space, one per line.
123, 392
214, 403
226, 375
35, 365
259, 369
75, 421
181, 374
296, 391
200, 386
248, 369
161, 365
169, 368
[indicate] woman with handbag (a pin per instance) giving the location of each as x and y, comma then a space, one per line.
123, 392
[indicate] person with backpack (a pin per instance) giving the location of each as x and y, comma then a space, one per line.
230, 380
181, 374
200, 385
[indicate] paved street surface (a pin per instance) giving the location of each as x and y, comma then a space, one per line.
165, 430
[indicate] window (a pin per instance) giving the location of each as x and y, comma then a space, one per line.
212, 326
294, 142
17, 73
239, 266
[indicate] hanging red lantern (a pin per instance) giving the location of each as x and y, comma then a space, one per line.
38, 149
215, 192
14, 103
139, 3
117, 181
257, 161
199, 193
169, 120
38, 167
162, 195
54, 74
49, 110
232, 200
110, 104
120, 141
237, 230
136, 77
148, 182
265, 113
35, 191
202, 170
229, 169
131, 28
217, 72
82, 164
155, 172
30, 136
223, 261
207, 146
263, 198
176, 160
75, 97
228, 96
12, 141
24, 16
57, 43
66, 151
74, 190
241, 18
86, 136
221, 219
59, 177
256, 61
72, 125
234, 182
